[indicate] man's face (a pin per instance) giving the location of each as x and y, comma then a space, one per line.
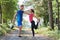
22, 7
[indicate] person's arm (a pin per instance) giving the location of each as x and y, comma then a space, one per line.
14, 17
26, 12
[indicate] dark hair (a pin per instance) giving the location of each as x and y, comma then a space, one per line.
22, 5
32, 10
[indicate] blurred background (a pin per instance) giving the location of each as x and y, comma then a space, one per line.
47, 10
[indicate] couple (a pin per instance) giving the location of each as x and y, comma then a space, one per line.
19, 17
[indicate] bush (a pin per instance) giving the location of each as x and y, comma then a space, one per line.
55, 34
4, 28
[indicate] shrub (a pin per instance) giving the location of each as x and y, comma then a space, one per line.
4, 28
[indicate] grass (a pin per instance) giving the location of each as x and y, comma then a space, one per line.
50, 33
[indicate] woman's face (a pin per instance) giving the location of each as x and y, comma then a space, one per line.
30, 11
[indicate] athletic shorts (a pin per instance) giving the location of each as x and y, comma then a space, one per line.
19, 23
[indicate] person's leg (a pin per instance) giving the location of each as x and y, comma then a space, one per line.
36, 26
33, 31
32, 27
20, 29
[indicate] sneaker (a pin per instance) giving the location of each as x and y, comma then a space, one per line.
19, 36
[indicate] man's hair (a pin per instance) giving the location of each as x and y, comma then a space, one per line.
32, 10
22, 6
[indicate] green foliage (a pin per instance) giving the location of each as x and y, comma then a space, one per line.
55, 34
54, 9
4, 28
41, 9
8, 8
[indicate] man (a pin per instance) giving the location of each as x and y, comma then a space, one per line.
19, 18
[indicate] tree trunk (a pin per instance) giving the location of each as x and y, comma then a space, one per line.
58, 14
0, 15
50, 11
58, 18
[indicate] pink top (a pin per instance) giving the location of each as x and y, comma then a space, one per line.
31, 17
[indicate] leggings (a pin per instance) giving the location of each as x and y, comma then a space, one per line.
33, 26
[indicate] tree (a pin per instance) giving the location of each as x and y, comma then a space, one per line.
8, 9
50, 14
0, 14
58, 14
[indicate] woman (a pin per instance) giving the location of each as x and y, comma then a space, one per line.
33, 26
